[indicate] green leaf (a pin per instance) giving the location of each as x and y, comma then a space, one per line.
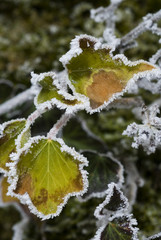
117, 201
4, 189
11, 130
49, 175
102, 169
26, 135
97, 75
49, 91
114, 202
120, 228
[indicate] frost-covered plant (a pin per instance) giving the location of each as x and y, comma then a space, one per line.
43, 172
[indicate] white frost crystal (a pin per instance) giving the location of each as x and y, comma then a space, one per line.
147, 134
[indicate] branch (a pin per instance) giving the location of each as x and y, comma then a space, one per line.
106, 15
17, 100
58, 126
148, 21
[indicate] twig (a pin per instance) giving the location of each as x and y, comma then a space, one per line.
17, 100
148, 21
127, 103
58, 126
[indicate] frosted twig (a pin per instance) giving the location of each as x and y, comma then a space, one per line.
106, 15
36, 114
58, 125
133, 180
127, 103
148, 21
156, 57
17, 100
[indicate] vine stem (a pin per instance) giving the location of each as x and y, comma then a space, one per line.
17, 100
59, 125
141, 28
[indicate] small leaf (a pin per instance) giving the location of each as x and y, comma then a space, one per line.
10, 132
49, 91
49, 175
119, 228
115, 201
102, 169
95, 73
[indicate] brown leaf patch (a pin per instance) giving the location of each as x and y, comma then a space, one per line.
24, 184
104, 85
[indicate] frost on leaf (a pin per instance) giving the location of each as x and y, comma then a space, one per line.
25, 136
115, 222
49, 172
118, 228
10, 132
4, 189
49, 91
115, 201
102, 169
95, 73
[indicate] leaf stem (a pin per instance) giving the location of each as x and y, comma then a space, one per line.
145, 25
59, 125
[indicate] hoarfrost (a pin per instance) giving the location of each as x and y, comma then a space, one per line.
122, 207
25, 198
147, 134
155, 237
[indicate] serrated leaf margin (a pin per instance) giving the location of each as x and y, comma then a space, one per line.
36, 78
76, 51
2, 128
120, 175
109, 192
25, 198
132, 221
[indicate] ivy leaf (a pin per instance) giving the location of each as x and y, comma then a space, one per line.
115, 201
4, 189
10, 131
25, 136
48, 173
118, 228
103, 169
49, 92
95, 73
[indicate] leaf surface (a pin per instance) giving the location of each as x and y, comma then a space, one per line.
96, 74
4, 190
102, 170
114, 202
7, 140
119, 228
49, 92
48, 175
